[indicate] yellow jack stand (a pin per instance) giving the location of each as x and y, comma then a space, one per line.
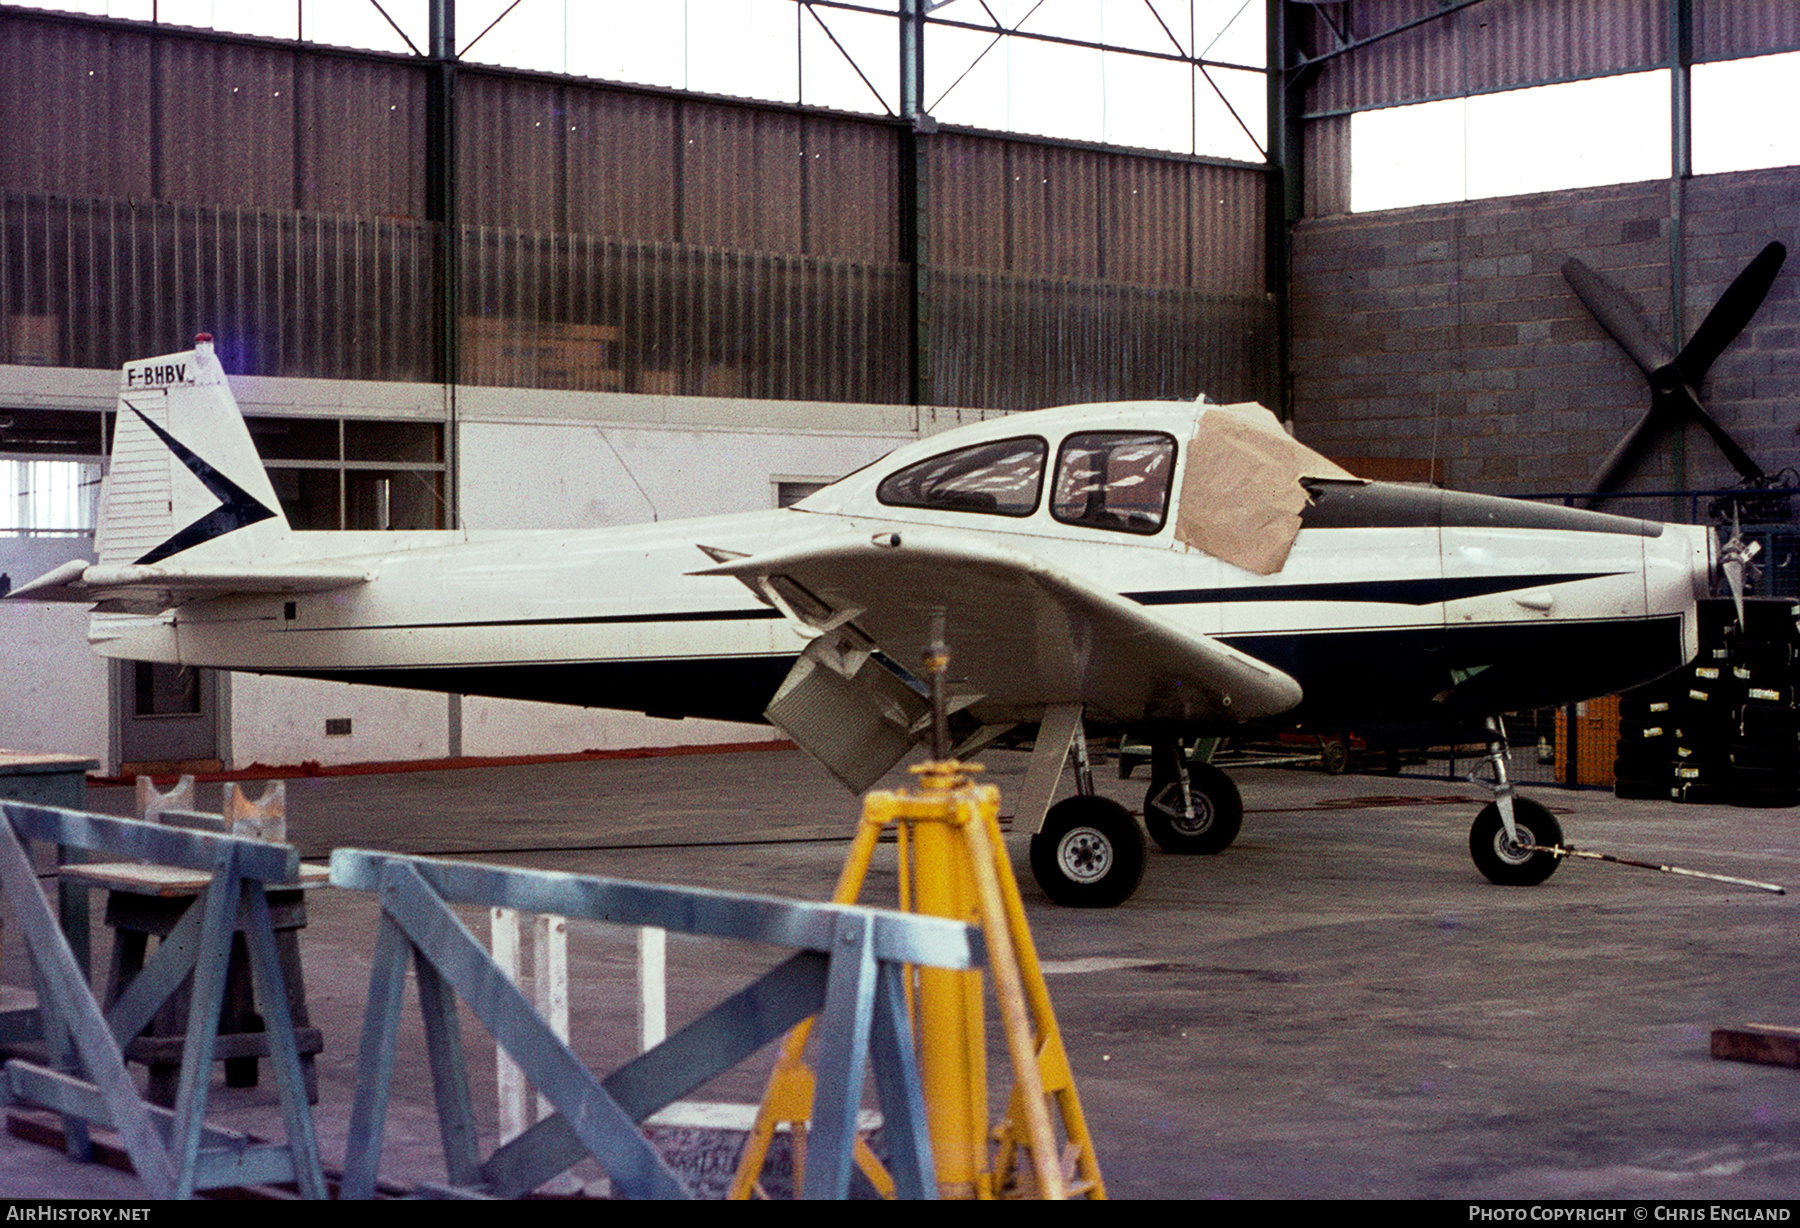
952, 863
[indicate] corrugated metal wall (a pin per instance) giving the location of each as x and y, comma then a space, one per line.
1070, 274
1020, 343
115, 111
358, 124
160, 182
1044, 210
552, 156
583, 312
78, 109
1506, 44
95, 283
1725, 29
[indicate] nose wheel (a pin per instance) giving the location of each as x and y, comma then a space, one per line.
1513, 862
1510, 831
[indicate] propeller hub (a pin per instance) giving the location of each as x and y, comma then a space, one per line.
1736, 565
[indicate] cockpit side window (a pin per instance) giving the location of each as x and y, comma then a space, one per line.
1115, 480
1001, 479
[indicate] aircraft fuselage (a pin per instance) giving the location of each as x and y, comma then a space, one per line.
1394, 604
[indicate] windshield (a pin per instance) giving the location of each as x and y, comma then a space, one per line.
1001, 479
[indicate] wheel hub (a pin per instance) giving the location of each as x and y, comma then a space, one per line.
1169, 802
1085, 854
1514, 854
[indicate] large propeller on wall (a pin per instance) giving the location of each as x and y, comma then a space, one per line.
1674, 378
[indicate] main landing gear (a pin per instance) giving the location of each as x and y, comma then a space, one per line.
1197, 810
1089, 851
1510, 833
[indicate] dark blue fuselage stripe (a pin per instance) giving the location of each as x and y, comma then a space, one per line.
1427, 590
1419, 592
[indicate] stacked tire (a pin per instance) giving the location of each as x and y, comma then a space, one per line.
1726, 729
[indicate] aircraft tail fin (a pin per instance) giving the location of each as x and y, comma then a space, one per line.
187, 512
185, 484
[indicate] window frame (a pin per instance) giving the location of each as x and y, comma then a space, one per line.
1124, 433
884, 487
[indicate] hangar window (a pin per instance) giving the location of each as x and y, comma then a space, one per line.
1549, 137
789, 491
1001, 478
165, 690
48, 497
334, 473
50, 471
1114, 480
1728, 96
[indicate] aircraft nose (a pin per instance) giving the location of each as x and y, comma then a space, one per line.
1706, 563
1681, 564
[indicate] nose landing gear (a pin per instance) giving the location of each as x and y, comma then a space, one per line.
1510, 833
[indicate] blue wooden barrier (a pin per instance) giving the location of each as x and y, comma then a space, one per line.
174, 1153
847, 969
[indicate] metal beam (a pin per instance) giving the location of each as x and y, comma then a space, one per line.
1455, 6
1681, 168
915, 200
801, 924
444, 217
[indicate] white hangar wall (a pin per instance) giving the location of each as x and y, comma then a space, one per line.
53, 690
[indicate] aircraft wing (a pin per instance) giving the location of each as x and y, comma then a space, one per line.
134, 588
1022, 633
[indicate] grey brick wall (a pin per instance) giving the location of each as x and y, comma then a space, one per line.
1447, 332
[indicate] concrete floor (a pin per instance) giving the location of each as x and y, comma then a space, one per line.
1338, 1006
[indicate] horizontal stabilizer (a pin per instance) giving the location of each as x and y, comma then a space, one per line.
187, 512
137, 589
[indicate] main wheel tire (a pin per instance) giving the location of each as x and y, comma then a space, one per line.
1505, 863
1218, 812
1090, 853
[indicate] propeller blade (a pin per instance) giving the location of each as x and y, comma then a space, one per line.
1684, 398
1624, 455
1730, 314
1734, 576
1619, 316
1736, 566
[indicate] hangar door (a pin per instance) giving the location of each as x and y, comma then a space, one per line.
168, 717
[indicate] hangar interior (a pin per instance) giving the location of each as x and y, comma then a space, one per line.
451, 291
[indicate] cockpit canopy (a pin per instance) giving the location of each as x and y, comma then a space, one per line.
1103, 479
1226, 479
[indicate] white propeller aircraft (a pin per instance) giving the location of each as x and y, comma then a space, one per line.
1175, 569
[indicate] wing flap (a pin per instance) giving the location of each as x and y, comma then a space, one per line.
1022, 633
